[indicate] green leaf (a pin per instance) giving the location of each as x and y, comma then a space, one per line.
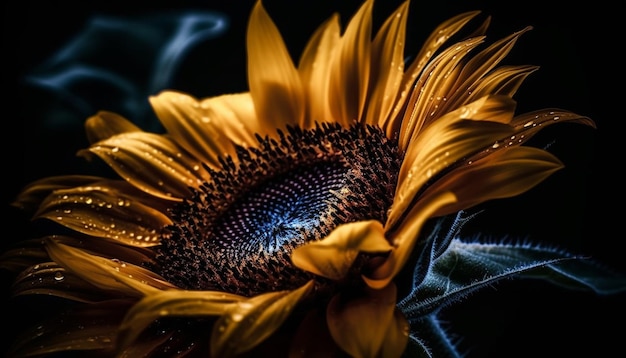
466, 267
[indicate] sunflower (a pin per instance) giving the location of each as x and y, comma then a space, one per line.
285, 212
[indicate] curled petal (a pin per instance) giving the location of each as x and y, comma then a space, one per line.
172, 303
151, 162
333, 256
110, 275
104, 212
274, 82
247, 323
104, 125
368, 325
405, 236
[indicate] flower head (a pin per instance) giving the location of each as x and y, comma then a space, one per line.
288, 210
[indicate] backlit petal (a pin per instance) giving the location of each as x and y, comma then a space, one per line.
446, 141
349, 76
107, 274
504, 80
474, 71
387, 66
435, 40
528, 124
274, 82
48, 278
151, 162
208, 129
505, 174
314, 68
247, 323
432, 89
103, 212
106, 124
333, 256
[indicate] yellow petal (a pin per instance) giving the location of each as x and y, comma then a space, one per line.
106, 124
349, 75
247, 323
435, 40
151, 162
48, 278
33, 194
485, 61
505, 174
366, 326
387, 66
32, 251
502, 80
473, 72
114, 276
103, 212
432, 90
208, 129
314, 67
273, 79
396, 337
446, 141
333, 256
179, 303
405, 236
528, 124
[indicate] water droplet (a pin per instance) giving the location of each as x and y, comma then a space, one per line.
58, 276
237, 317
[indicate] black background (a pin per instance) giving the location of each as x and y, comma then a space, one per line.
579, 208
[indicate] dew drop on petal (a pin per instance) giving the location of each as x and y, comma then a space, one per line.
58, 276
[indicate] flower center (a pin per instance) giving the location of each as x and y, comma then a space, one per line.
237, 232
